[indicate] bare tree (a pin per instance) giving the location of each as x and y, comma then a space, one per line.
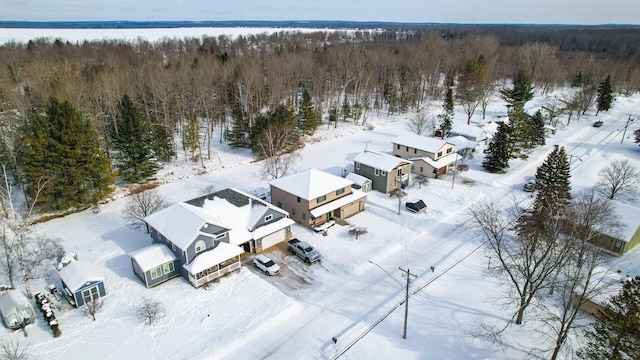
357, 231
420, 180
420, 124
150, 311
278, 148
528, 260
618, 178
15, 350
93, 307
141, 205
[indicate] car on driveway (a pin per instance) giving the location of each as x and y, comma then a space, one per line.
416, 206
530, 185
267, 265
597, 124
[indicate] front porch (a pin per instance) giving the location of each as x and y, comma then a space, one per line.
208, 275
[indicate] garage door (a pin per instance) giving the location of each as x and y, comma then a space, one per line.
351, 209
273, 239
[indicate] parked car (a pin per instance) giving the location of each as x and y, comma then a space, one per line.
304, 251
597, 124
267, 265
416, 206
530, 185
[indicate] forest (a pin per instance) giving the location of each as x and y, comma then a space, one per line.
77, 118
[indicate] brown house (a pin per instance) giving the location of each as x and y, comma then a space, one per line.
314, 197
430, 156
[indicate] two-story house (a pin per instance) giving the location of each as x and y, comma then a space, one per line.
386, 172
430, 156
314, 197
208, 234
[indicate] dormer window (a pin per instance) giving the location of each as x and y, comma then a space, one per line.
220, 236
200, 246
268, 218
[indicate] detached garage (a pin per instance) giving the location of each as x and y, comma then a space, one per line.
81, 283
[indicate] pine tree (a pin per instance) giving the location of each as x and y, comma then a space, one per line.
346, 108
521, 92
537, 130
616, 333
282, 117
132, 138
308, 119
497, 157
605, 95
61, 152
553, 182
446, 118
520, 141
191, 136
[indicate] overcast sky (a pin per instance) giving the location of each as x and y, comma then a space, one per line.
439, 11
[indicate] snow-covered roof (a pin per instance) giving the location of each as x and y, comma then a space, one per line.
310, 184
629, 216
380, 161
180, 223
335, 204
153, 255
490, 128
440, 163
269, 229
77, 273
428, 144
461, 142
357, 179
470, 131
213, 257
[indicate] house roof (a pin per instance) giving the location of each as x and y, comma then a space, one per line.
337, 203
628, 215
461, 142
231, 209
77, 273
310, 184
357, 179
380, 161
151, 256
469, 131
428, 144
213, 257
440, 163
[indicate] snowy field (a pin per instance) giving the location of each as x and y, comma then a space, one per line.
354, 293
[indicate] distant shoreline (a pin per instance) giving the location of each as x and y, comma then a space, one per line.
268, 24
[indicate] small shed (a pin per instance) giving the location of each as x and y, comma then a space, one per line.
81, 283
360, 182
16, 310
154, 264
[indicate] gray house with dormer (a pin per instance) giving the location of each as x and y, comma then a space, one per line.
386, 172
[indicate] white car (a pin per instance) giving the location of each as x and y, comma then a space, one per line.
267, 265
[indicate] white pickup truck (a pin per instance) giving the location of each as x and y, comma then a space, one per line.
305, 251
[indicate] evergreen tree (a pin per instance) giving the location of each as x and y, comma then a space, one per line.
521, 92
497, 157
191, 136
132, 138
537, 130
346, 108
605, 95
616, 333
282, 117
520, 141
239, 134
446, 118
553, 182
162, 143
61, 156
308, 119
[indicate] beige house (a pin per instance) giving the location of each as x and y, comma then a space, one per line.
387, 173
314, 197
430, 156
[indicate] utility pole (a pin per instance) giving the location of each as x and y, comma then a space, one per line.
625, 128
406, 301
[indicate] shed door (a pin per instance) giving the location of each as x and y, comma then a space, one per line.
90, 294
273, 239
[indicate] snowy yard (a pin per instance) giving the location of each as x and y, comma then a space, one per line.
297, 313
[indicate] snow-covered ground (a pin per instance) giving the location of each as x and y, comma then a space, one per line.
353, 295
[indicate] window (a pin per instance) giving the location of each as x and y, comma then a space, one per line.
293, 211
421, 169
304, 216
339, 191
90, 294
173, 246
407, 148
376, 172
357, 166
156, 272
383, 173
298, 199
279, 204
398, 145
415, 151
413, 168
220, 236
168, 268
200, 246
321, 198
449, 150
268, 218
439, 153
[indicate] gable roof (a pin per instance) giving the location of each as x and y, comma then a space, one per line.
629, 216
311, 183
380, 161
153, 255
357, 179
428, 144
77, 273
